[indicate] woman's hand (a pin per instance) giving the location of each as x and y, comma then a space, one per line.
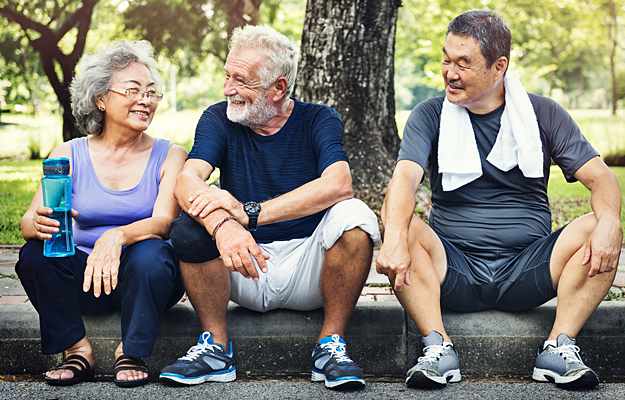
44, 226
103, 263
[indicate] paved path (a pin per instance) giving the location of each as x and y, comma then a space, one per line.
270, 390
377, 288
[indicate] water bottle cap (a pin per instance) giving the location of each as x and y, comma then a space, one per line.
56, 166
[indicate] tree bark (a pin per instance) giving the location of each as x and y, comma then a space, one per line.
241, 13
347, 63
613, 39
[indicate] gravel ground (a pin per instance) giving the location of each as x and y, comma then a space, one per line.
304, 390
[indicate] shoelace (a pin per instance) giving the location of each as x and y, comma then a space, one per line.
337, 350
432, 353
195, 351
569, 352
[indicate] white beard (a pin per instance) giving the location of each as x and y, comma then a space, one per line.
259, 113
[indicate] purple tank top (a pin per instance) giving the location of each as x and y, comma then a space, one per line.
100, 208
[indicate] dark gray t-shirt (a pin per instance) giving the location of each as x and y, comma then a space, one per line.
500, 211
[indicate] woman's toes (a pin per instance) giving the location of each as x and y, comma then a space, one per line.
65, 374
122, 376
59, 374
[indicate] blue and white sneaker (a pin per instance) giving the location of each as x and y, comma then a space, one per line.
332, 365
563, 366
438, 366
204, 362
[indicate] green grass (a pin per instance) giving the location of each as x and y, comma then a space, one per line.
19, 133
19, 179
571, 200
606, 132
18, 182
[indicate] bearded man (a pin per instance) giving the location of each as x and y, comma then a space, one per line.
283, 230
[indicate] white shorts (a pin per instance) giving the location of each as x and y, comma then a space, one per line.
293, 273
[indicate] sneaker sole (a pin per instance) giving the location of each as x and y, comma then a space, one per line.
420, 380
344, 383
584, 380
213, 377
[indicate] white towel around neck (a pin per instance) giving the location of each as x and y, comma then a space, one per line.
518, 141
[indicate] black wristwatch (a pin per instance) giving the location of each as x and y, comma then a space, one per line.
252, 209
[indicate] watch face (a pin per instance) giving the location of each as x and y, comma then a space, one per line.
252, 207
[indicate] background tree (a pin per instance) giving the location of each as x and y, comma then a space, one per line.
20, 67
612, 10
51, 26
242, 12
347, 55
185, 30
555, 40
190, 30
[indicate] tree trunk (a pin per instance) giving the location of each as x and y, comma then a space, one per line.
241, 13
347, 63
613, 37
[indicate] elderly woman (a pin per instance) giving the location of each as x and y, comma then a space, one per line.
122, 195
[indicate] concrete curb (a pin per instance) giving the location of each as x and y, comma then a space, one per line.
380, 339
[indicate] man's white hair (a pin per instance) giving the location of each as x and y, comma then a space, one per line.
280, 53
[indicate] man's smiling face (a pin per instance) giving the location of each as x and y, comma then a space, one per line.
248, 102
468, 81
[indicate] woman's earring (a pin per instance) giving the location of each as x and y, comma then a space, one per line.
101, 108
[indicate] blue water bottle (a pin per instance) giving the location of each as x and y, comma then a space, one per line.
57, 194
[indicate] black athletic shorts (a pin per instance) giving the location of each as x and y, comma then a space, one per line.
504, 281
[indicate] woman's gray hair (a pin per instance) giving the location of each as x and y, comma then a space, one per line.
95, 76
280, 53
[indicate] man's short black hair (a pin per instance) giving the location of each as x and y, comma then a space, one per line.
488, 29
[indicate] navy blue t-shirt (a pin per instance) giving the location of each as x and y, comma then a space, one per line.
500, 211
258, 168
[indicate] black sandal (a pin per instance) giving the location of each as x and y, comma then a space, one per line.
79, 366
125, 363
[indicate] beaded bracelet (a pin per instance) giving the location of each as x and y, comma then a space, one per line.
229, 217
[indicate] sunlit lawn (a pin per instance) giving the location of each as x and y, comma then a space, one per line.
604, 131
19, 179
570, 200
19, 133
18, 182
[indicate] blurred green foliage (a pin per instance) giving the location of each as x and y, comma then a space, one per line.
560, 47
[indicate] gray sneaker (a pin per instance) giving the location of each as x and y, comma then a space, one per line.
438, 366
563, 366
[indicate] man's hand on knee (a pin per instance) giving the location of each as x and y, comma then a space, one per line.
238, 249
603, 247
394, 261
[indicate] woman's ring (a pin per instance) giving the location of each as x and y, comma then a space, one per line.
106, 273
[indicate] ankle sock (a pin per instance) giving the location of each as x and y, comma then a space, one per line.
554, 343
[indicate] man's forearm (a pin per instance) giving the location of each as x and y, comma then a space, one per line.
309, 198
605, 197
397, 210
